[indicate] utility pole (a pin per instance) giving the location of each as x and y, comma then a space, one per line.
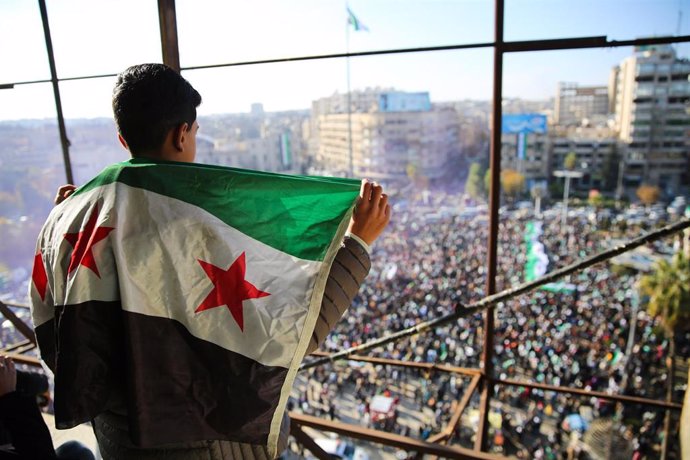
567, 174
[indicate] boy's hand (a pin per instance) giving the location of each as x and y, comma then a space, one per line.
8, 376
372, 212
63, 192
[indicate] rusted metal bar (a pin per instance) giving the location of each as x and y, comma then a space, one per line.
587, 42
530, 45
23, 329
24, 359
491, 300
306, 440
494, 204
389, 439
18, 345
17, 305
447, 432
64, 141
409, 364
167, 17
589, 393
25, 348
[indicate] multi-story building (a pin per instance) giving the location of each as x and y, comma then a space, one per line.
531, 160
651, 91
596, 152
272, 142
388, 135
575, 103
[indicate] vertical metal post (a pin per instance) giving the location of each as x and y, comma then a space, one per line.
481, 442
566, 192
64, 141
167, 18
349, 98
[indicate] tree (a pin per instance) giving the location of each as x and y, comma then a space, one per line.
648, 194
487, 182
512, 182
411, 170
474, 186
667, 290
570, 161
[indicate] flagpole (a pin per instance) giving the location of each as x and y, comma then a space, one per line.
349, 95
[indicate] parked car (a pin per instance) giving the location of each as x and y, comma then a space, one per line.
341, 449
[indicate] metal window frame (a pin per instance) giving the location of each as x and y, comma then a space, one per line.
170, 56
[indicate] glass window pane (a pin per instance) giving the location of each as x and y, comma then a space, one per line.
432, 119
31, 169
22, 46
214, 31
27, 101
418, 122
547, 19
614, 164
95, 38
90, 126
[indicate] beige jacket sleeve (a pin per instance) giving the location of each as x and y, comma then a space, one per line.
350, 267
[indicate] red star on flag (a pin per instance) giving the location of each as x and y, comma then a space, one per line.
39, 276
229, 289
83, 243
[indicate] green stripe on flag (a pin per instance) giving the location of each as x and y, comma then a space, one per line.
295, 214
531, 258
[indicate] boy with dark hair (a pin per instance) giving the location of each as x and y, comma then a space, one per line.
153, 105
155, 111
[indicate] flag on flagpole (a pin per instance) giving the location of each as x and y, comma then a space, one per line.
192, 289
356, 24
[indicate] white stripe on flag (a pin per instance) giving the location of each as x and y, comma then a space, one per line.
157, 243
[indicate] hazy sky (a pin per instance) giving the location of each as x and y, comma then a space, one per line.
95, 37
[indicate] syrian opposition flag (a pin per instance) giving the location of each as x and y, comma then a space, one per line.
356, 24
537, 262
189, 292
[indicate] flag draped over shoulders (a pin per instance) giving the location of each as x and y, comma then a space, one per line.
185, 293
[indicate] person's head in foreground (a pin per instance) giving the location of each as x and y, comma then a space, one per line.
155, 113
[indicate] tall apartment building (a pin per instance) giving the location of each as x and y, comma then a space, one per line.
651, 95
393, 135
576, 103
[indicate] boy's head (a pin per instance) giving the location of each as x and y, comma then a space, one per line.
155, 112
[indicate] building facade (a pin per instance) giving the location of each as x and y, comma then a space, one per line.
389, 135
651, 98
575, 104
597, 155
531, 159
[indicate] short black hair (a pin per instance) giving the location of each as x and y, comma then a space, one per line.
148, 101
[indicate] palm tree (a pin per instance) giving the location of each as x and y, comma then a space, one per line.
668, 292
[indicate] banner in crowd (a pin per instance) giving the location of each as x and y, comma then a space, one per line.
536, 260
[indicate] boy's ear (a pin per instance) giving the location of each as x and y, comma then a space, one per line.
122, 141
179, 136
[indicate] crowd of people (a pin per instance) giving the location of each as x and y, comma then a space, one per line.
424, 267
427, 263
